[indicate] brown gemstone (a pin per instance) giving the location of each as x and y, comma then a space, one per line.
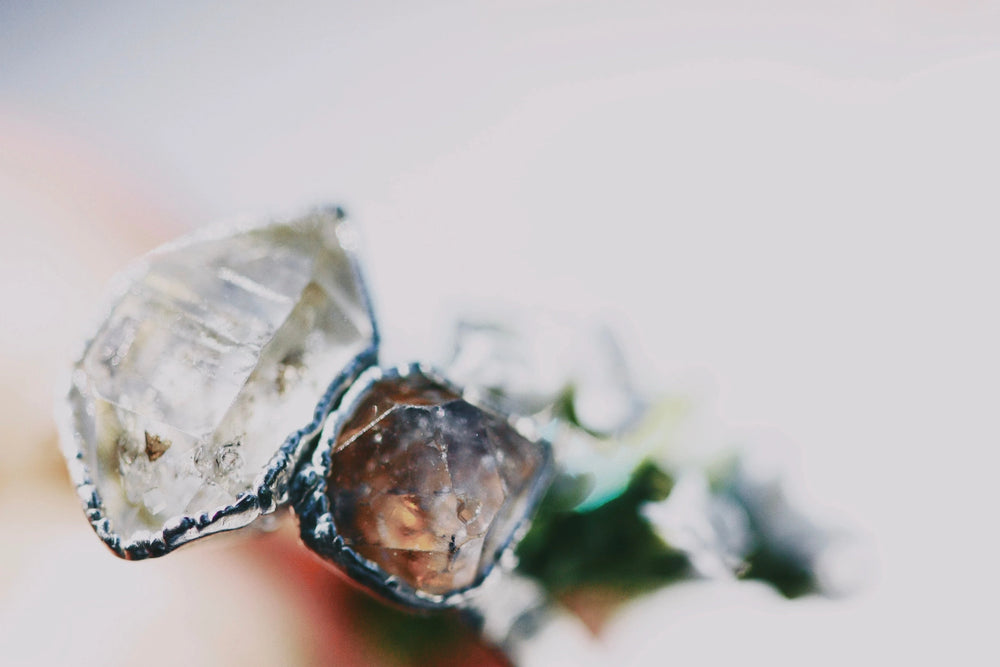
427, 486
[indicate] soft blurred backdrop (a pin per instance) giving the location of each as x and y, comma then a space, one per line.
788, 210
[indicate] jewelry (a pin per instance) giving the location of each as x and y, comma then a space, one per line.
195, 406
236, 371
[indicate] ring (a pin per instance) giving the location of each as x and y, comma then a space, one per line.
195, 405
235, 371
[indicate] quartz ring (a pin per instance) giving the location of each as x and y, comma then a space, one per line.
236, 371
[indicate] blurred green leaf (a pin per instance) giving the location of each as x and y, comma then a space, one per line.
611, 545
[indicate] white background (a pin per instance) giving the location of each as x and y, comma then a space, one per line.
790, 209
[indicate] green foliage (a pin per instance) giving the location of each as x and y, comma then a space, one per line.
610, 545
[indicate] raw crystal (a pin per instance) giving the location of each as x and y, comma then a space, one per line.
539, 363
219, 349
429, 487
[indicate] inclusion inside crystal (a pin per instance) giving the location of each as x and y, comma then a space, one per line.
427, 486
217, 352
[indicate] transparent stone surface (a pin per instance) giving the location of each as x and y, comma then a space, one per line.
428, 486
219, 349
538, 363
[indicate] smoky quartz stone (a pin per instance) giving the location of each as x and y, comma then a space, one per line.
425, 489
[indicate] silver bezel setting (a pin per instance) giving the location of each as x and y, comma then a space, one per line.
271, 488
319, 532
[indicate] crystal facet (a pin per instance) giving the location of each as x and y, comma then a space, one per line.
216, 352
534, 362
427, 486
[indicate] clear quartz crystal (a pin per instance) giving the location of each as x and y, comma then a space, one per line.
219, 349
533, 361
